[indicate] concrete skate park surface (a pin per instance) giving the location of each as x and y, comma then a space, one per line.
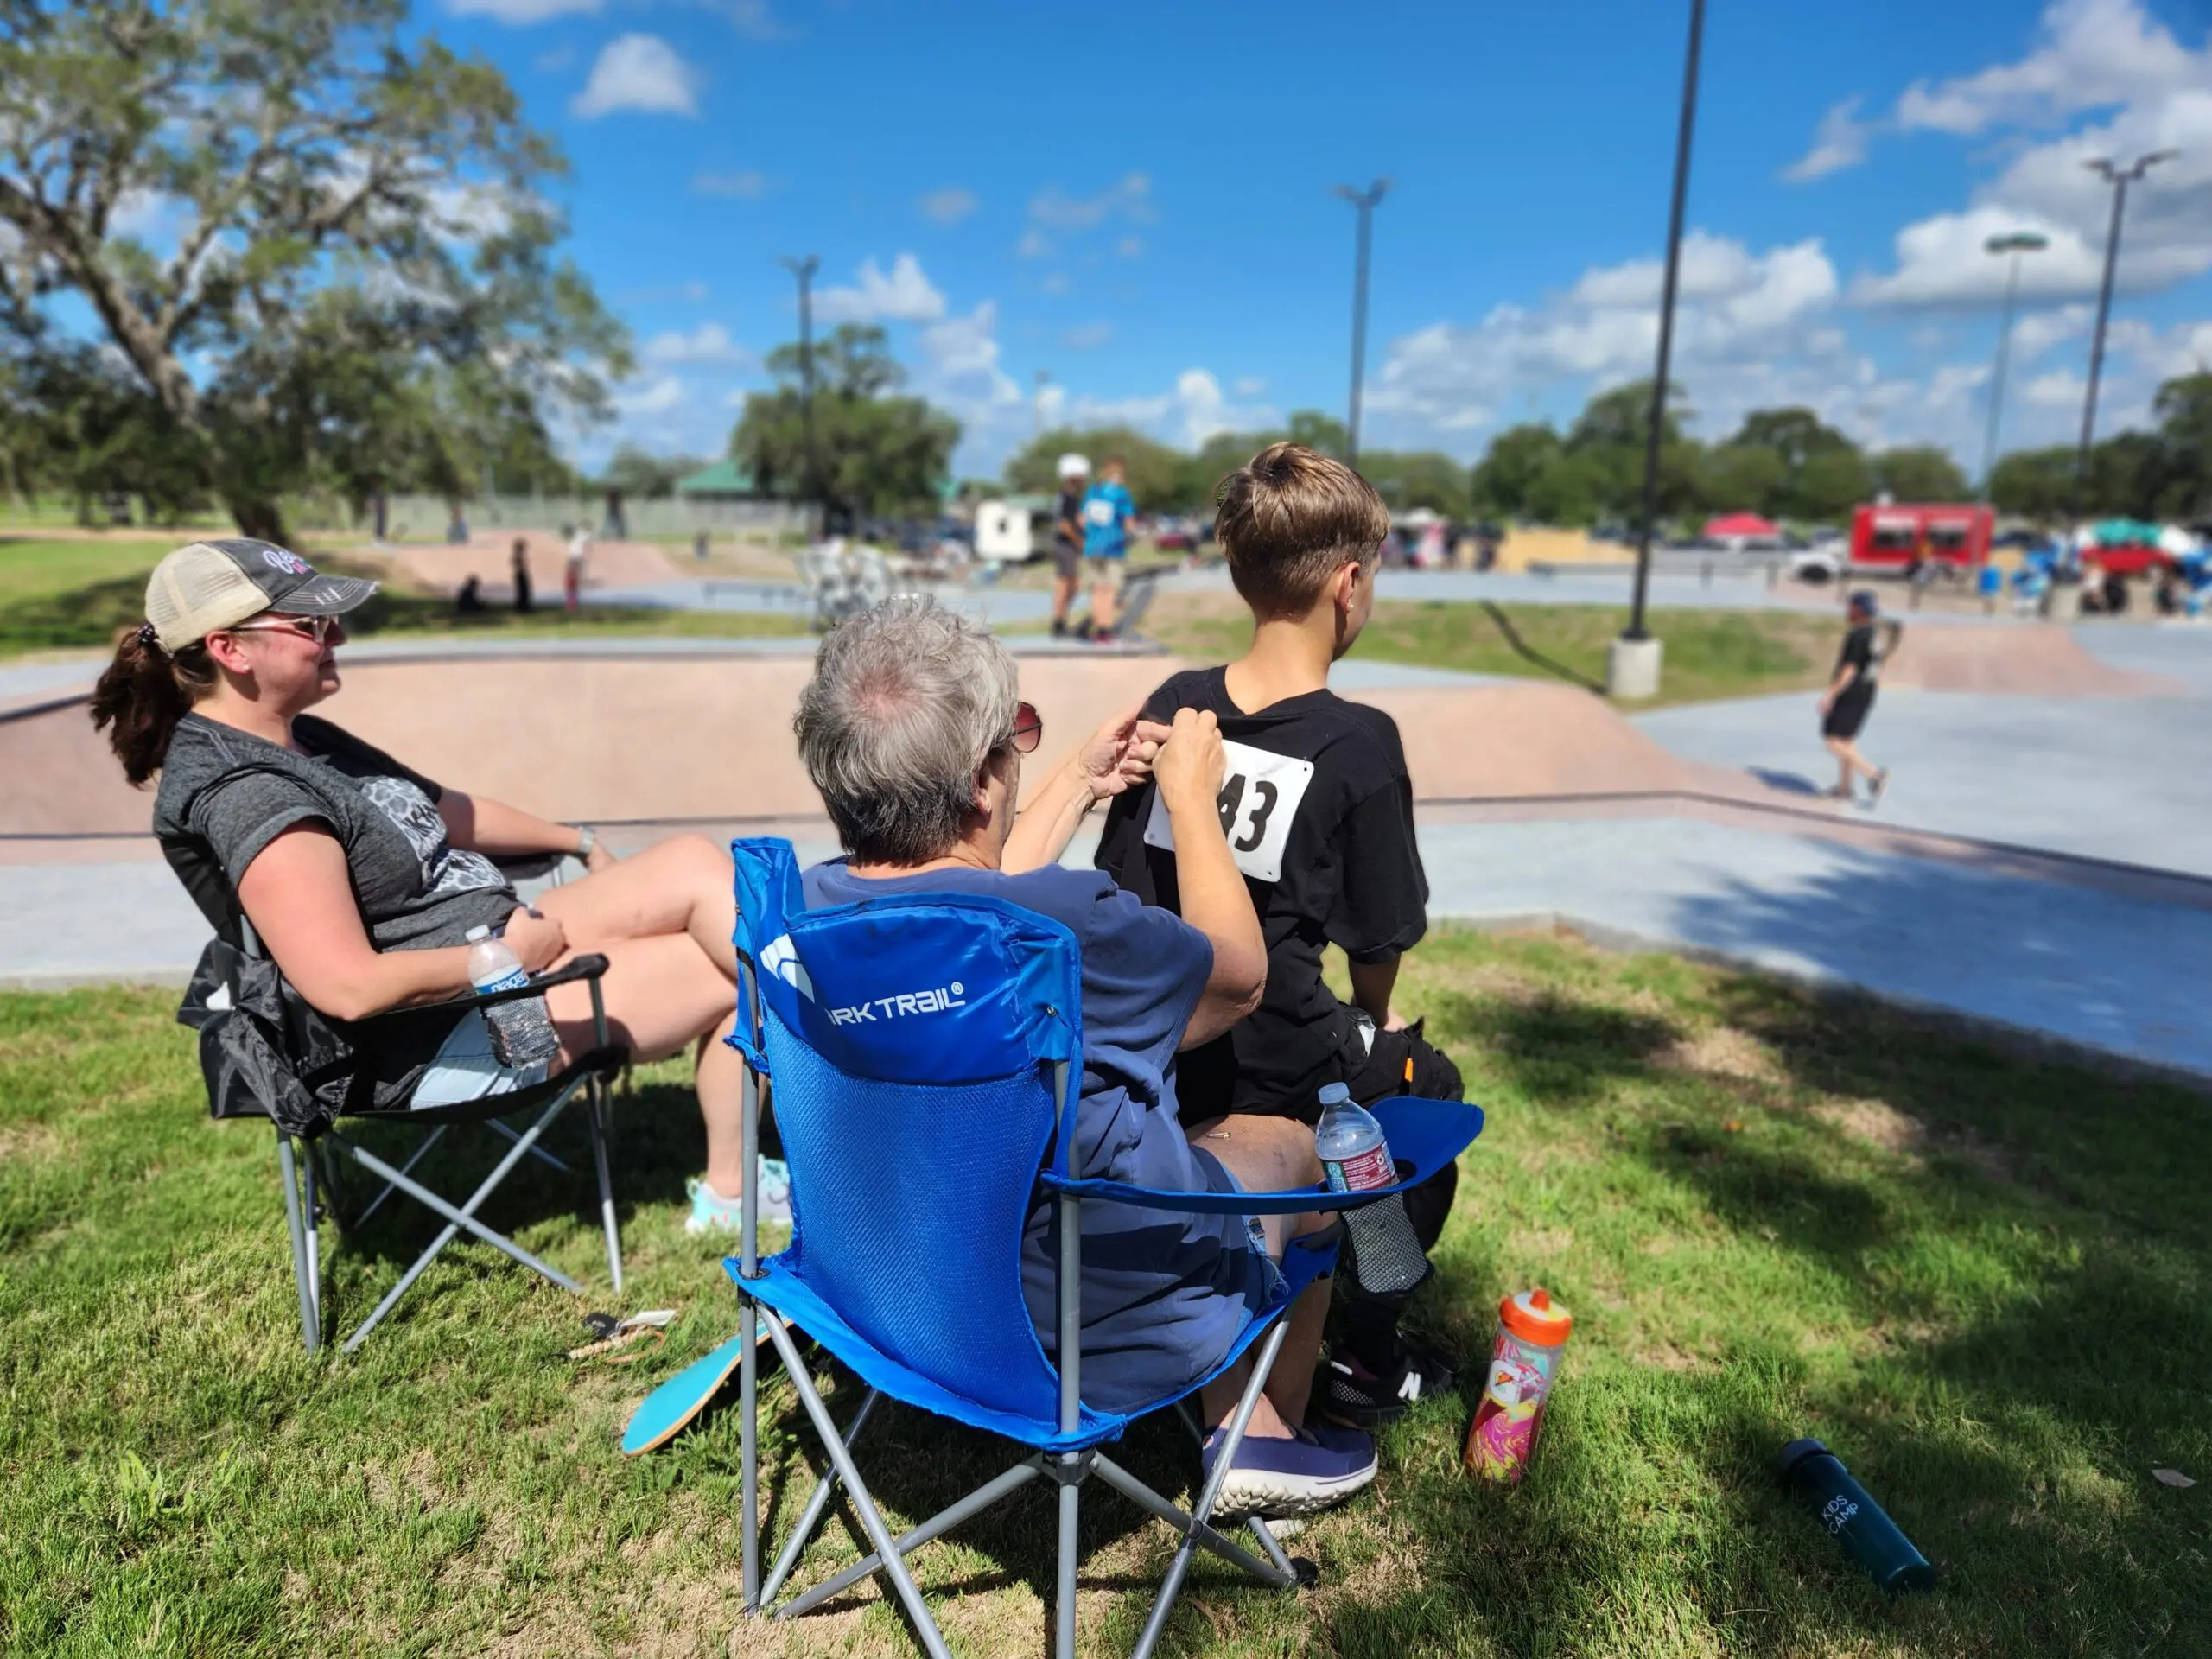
1538, 799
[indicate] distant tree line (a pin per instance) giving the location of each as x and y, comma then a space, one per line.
1782, 463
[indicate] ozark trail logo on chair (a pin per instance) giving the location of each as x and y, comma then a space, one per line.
780, 958
939, 1000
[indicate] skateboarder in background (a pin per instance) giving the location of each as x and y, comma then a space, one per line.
1850, 695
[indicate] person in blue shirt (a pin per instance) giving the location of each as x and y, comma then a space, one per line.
914, 730
1107, 510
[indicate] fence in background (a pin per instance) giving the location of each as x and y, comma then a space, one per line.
424, 518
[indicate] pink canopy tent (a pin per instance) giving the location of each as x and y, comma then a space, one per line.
1740, 523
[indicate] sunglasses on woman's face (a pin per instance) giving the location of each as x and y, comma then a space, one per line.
1028, 728
317, 628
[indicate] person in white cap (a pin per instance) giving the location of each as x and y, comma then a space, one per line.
1067, 538
363, 878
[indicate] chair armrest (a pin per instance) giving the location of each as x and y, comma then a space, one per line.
585, 967
1424, 1135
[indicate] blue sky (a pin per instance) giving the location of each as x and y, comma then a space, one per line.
1136, 201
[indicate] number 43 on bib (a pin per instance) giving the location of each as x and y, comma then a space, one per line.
1260, 794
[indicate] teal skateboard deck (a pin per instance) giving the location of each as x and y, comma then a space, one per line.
671, 1408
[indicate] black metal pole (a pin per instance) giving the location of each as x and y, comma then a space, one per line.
1636, 629
1363, 201
804, 270
1997, 375
1359, 327
2097, 341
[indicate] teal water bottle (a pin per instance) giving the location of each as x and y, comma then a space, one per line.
1853, 1519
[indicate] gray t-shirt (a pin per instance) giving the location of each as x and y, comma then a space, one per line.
226, 794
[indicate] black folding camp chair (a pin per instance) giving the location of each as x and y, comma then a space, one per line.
266, 1054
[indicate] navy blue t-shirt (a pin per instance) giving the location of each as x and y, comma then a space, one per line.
1163, 1294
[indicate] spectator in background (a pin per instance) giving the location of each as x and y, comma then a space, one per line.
572, 578
1068, 537
1107, 510
519, 566
470, 599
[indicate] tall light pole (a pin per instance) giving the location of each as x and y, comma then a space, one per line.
1044, 379
804, 270
1365, 200
2119, 178
2017, 243
1632, 664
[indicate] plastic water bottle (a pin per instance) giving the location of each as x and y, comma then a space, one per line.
522, 1031
1354, 1156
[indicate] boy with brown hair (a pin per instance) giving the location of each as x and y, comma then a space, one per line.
1318, 808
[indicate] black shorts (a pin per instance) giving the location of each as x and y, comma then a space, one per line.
1848, 715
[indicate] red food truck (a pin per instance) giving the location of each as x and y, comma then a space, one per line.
1902, 539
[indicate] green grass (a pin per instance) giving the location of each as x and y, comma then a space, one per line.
1983, 1281
1709, 653
61, 595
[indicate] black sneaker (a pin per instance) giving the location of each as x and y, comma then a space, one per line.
1059, 627
1347, 1392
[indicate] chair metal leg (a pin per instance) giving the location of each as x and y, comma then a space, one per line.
936, 1527
817, 1505
1145, 1498
407, 1168
1064, 1592
1202, 1508
309, 1213
310, 1327
455, 1219
894, 1567
1268, 1542
538, 1152
748, 1365
596, 1107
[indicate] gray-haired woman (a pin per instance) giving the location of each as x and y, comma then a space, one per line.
913, 729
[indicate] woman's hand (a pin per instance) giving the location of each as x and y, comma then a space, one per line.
601, 857
1192, 763
538, 940
1120, 754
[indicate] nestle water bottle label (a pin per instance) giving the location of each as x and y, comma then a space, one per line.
1362, 1172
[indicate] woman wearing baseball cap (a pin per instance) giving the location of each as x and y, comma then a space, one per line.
363, 878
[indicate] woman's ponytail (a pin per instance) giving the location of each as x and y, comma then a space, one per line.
144, 693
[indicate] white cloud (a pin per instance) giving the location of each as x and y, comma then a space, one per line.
709, 343
1129, 247
1055, 282
2102, 58
1128, 197
555, 59
638, 72
752, 17
1248, 386
1087, 337
1032, 245
2037, 332
519, 11
746, 186
905, 295
1840, 141
960, 364
948, 207
1748, 329
1192, 412
653, 397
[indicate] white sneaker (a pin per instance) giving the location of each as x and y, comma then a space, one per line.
712, 1213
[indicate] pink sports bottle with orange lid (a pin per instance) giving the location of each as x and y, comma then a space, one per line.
1532, 1332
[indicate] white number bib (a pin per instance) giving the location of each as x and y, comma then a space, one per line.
1260, 794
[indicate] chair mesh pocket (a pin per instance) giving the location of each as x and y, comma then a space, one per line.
1387, 1258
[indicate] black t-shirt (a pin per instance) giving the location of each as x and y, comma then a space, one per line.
1863, 649
1070, 511
1319, 811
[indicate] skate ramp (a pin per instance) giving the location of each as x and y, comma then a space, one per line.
2034, 660
663, 737
611, 564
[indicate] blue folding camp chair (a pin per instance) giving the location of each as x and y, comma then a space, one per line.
920, 1049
